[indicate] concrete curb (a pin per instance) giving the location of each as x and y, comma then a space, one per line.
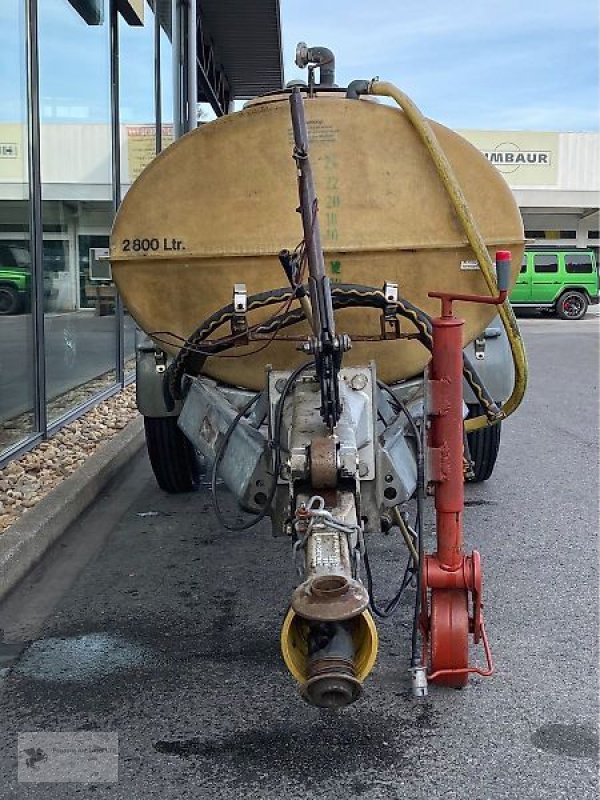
23, 544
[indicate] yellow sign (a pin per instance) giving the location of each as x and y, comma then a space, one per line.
141, 146
524, 158
13, 157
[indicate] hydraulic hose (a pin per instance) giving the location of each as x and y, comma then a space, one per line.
475, 239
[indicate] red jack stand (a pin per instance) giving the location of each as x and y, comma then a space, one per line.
449, 577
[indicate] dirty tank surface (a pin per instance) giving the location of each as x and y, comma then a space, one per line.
216, 207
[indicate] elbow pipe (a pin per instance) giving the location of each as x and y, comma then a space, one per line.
323, 57
356, 88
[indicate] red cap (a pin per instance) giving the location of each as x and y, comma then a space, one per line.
503, 255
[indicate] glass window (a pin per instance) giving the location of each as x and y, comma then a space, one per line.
16, 340
136, 97
166, 73
138, 122
545, 263
578, 263
76, 157
524, 264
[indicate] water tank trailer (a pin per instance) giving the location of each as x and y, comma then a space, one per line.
336, 368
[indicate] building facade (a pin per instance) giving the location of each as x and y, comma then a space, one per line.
555, 178
90, 92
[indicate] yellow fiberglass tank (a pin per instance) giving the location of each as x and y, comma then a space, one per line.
217, 206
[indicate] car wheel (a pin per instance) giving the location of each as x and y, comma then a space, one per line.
572, 305
172, 457
484, 444
10, 302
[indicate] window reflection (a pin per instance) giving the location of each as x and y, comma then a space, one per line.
16, 345
76, 152
138, 121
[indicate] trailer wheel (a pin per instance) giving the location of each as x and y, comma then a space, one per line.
483, 447
172, 457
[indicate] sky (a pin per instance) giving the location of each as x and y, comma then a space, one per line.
509, 65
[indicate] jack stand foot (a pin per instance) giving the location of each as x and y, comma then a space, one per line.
449, 637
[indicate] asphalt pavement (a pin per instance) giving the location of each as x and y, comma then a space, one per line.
149, 621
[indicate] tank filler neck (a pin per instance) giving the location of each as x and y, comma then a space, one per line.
321, 57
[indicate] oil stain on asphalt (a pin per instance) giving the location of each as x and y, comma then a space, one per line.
331, 744
576, 741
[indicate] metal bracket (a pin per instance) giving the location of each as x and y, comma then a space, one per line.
239, 321
479, 347
390, 322
437, 462
160, 358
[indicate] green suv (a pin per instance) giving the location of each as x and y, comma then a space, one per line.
15, 279
564, 282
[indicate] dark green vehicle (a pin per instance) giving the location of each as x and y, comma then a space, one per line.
15, 279
561, 282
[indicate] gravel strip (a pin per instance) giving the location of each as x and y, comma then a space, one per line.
24, 481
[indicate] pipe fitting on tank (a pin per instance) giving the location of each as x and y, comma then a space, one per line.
321, 57
356, 88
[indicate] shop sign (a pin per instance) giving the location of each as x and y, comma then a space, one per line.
525, 158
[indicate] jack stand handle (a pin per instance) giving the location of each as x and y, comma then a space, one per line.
503, 267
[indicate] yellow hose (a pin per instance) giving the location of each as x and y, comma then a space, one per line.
459, 202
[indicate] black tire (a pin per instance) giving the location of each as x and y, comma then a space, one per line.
483, 447
10, 300
572, 305
172, 457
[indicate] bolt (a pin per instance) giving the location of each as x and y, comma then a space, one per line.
363, 469
359, 381
389, 478
279, 385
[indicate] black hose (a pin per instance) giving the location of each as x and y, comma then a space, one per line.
392, 605
220, 452
343, 296
415, 659
415, 656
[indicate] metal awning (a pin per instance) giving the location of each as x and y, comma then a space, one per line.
245, 39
